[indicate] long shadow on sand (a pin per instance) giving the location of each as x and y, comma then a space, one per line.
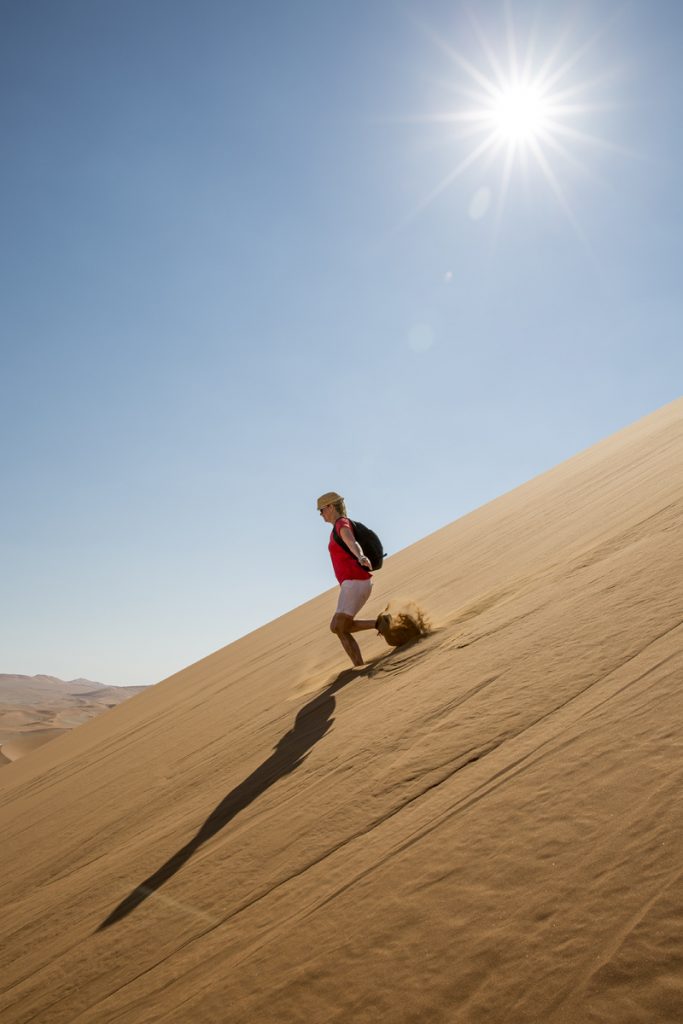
310, 725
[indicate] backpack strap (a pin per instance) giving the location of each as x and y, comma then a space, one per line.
341, 543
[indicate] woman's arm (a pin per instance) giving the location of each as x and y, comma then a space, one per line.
354, 547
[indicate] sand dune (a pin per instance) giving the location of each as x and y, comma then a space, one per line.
37, 709
482, 827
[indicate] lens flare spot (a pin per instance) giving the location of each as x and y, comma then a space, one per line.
420, 337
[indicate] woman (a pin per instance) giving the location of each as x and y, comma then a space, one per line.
353, 570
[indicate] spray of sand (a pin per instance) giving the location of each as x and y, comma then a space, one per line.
403, 623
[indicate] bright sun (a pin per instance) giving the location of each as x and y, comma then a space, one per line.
520, 113
522, 109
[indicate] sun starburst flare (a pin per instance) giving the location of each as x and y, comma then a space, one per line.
521, 112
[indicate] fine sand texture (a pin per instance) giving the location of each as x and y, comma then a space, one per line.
483, 827
37, 709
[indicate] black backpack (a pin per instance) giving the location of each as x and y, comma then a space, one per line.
368, 540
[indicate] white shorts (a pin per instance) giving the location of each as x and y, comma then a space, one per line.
353, 595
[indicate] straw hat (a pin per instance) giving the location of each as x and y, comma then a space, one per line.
331, 498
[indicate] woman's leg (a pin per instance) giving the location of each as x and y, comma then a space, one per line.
341, 625
358, 624
352, 597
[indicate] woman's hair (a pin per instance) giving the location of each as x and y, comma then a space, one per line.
340, 507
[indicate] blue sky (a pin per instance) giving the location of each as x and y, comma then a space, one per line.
224, 292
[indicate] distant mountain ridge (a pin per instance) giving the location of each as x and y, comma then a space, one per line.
37, 709
19, 688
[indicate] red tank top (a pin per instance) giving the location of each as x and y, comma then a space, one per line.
344, 564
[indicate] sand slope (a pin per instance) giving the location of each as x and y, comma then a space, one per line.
484, 827
37, 709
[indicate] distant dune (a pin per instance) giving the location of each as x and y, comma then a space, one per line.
481, 828
37, 709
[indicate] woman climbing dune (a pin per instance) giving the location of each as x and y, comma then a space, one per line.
353, 570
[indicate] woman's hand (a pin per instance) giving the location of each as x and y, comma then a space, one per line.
354, 547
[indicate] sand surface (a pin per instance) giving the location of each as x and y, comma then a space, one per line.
37, 709
482, 828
